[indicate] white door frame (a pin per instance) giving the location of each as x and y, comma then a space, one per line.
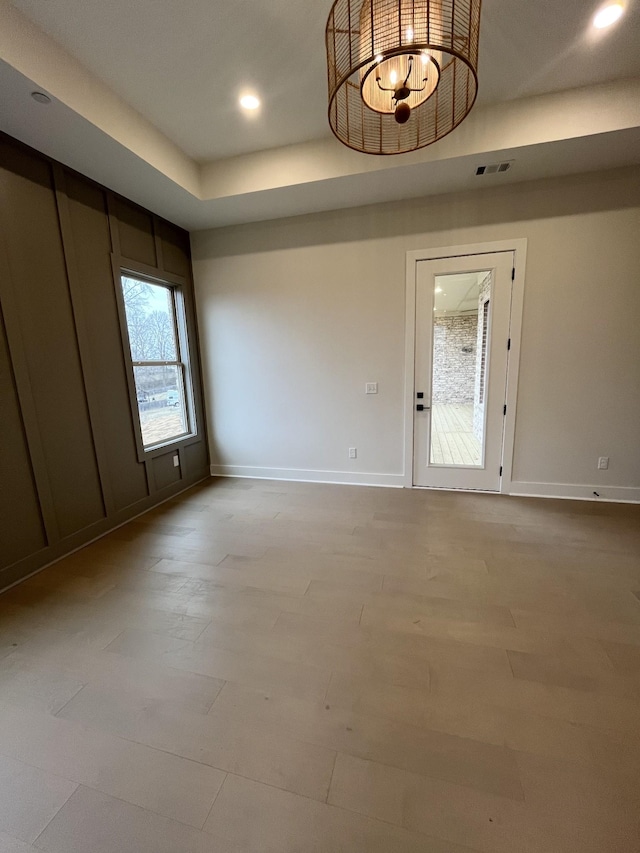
519, 248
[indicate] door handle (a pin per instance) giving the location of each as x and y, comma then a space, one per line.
421, 408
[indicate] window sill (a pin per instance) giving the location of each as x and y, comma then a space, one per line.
168, 447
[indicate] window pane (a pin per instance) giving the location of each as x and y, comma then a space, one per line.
460, 351
149, 310
161, 403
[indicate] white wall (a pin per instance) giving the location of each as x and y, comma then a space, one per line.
296, 315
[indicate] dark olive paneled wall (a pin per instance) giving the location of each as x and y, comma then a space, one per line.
42, 312
70, 468
22, 526
89, 225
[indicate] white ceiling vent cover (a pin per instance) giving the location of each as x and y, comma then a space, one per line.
494, 168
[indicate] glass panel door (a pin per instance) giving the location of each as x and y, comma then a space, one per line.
461, 320
463, 307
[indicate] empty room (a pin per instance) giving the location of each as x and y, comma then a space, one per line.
320, 426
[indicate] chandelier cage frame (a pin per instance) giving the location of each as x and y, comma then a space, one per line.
364, 34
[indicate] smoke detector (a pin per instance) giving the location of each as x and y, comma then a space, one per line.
41, 98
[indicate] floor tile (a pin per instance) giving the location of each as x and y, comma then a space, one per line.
378, 698
34, 686
256, 749
13, 845
596, 709
294, 679
163, 783
449, 812
417, 749
624, 657
29, 798
91, 821
257, 817
143, 681
578, 675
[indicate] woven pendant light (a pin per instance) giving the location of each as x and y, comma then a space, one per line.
402, 73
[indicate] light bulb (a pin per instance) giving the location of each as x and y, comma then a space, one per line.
425, 58
608, 15
379, 58
393, 77
409, 33
249, 102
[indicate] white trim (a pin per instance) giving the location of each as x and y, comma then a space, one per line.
573, 491
409, 367
513, 365
519, 247
561, 491
350, 478
466, 249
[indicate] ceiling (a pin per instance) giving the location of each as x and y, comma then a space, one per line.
145, 99
457, 293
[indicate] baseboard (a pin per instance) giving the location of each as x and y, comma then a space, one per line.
302, 475
564, 491
570, 491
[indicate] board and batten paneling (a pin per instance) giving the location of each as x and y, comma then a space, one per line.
22, 526
43, 311
70, 465
92, 245
135, 232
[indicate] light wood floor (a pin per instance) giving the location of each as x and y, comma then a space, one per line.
452, 438
266, 667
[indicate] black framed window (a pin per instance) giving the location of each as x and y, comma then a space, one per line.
157, 335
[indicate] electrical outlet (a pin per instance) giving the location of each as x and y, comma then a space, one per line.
371, 388
176, 461
353, 453
603, 463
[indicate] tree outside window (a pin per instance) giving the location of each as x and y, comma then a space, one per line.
157, 343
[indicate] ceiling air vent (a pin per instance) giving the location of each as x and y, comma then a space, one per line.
494, 168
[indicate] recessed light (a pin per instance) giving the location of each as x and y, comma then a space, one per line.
41, 98
249, 102
608, 15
